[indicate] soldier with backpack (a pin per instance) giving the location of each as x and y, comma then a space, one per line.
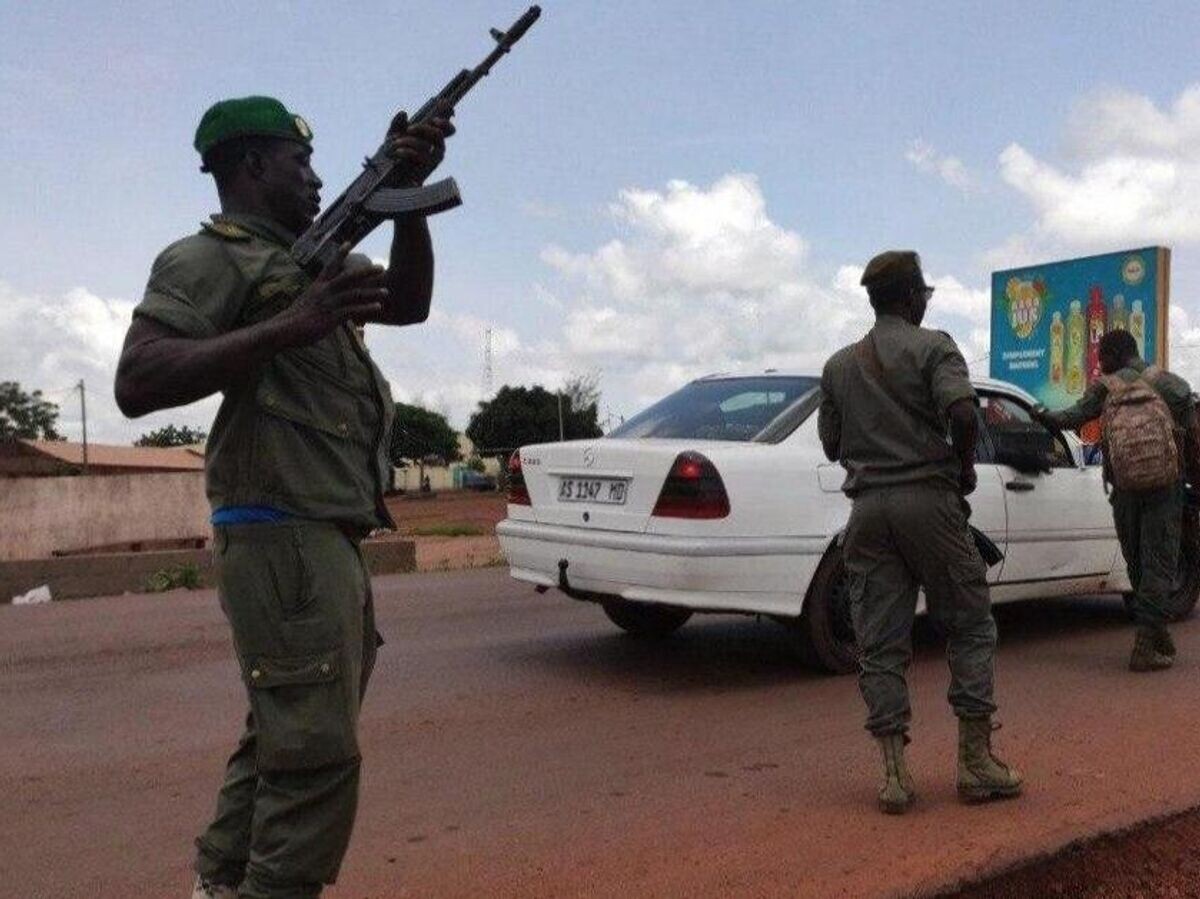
1148, 421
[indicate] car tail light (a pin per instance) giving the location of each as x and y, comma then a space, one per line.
518, 493
693, 489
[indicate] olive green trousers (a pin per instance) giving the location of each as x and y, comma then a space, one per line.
900, 539
298, 599
1149, 527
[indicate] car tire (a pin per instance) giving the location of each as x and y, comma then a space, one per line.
1183, 600
648, 621
824, 633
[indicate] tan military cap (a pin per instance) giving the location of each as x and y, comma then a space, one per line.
893, 266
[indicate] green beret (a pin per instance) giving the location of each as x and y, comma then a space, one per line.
892, 267
249, 117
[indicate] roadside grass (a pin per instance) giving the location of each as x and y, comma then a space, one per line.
471, 565
447, 529
186, 576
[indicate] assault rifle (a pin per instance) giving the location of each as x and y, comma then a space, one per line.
367, 201
988, 550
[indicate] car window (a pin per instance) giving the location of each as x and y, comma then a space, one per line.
1001, 413
983, 447
723, 409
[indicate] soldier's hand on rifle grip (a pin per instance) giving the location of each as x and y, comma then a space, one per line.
335, 295
420, 148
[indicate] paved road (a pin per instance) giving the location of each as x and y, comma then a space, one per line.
517, 746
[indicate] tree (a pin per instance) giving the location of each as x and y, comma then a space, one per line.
517, 416
172, 436
26, 416
422, 436
583, 390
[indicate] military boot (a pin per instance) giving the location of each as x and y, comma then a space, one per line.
1163, 643
982, 776
897, 794
1153, 650
206, 889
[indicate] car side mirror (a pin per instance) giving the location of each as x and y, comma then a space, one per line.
1027, 448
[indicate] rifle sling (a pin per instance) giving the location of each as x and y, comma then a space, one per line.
867, 354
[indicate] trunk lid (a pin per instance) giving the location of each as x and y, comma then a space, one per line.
606, 484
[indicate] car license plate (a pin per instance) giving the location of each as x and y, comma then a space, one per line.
592, 490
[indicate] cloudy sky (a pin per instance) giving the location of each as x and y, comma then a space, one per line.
653, 190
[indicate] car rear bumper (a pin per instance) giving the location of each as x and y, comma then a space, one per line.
768, 575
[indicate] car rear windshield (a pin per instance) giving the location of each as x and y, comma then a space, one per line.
742, 409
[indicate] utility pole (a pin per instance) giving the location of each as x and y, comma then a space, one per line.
83, 411
560, 417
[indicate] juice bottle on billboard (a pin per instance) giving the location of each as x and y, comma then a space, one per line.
1056, 349
1097, 324
1137, 327
1119, 320
1075, 348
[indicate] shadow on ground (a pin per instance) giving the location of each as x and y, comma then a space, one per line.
724, 652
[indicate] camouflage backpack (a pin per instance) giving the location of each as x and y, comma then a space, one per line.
1140, 451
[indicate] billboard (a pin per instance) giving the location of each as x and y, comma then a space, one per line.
1047, 319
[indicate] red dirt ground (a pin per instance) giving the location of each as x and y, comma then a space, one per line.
1157, 860
416, 512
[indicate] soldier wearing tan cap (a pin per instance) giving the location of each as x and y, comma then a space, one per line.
899, 414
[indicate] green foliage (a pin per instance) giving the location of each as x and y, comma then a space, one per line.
172, 436
420, 435
186, 576
518, 416
583, 390
26, 416
447, 529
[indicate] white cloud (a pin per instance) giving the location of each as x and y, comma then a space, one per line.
1116, 122
694, 279
52, 342
714, 240
954, 299
950, 169
1136, 178
702, 280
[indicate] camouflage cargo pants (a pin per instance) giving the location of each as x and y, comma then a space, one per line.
1149, 527
298, 599
899, 539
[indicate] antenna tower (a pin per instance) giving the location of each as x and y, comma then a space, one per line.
488, 373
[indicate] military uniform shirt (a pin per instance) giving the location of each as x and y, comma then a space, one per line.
1173, 389
307, 433
881, 442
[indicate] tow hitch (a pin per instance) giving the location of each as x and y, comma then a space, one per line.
565, 586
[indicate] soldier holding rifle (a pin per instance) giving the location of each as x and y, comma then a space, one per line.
296, 466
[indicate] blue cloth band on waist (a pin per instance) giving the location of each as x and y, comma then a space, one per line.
248, 515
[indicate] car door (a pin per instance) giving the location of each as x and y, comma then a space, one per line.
988, 512
1059, 526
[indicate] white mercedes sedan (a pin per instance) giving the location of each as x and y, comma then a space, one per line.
719, 499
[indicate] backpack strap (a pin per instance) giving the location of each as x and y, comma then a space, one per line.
1151, 373
1113, 383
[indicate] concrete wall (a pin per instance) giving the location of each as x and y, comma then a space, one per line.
41, 516
75, 577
